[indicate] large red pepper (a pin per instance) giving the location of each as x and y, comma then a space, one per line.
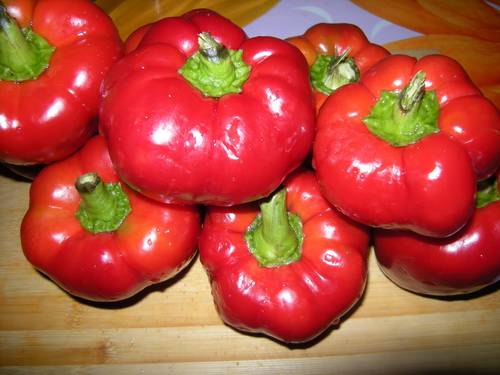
463, 263
211, 116
403, 147
51, 72
289, 271
135, 38
338, 54
97, 238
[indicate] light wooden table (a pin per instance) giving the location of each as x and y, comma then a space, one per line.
173, 328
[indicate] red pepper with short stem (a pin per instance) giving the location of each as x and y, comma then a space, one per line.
463, 263
337, 54
403, 148
213, 117
53, 57
98, 239
289, 269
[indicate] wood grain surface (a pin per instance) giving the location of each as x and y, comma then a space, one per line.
173, 328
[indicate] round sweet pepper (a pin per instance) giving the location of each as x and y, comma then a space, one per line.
289, 269
403, 148
338, 54
97, 238
211, 116
463, 263
53, 57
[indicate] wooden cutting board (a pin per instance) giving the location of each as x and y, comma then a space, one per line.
173, 328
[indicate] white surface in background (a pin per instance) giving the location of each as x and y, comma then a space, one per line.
293, 17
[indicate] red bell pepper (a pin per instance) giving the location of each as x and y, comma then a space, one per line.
211, 116
53, 57
463, 263
289, 271
97, 238
403, 147
135, 38
338, 54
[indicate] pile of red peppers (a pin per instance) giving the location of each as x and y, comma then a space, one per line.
278, 160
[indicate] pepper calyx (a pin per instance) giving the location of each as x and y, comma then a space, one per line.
328, 73
405, 117
275, 236
103, 206
24, 55
215, 70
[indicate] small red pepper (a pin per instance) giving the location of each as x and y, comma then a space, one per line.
97, 238
463, 263
403, 147
53, 57
289, 271
338, 54
211, 116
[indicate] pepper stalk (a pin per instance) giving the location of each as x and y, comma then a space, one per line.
402, 118
214, 69
275, 236
328, 73
103, 207
24, 55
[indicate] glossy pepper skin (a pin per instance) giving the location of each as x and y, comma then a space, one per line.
151, 244
332, 40
47, 117
295, 297
135, 38
426, 185
463, 263
177, 143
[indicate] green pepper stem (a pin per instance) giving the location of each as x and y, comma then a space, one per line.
211, 49
275, 228
215, 60
402, 118
341, 71
328, 73
96, 200
103, 207
275, 237
410, 97
23, 54
214, 69
16, 53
